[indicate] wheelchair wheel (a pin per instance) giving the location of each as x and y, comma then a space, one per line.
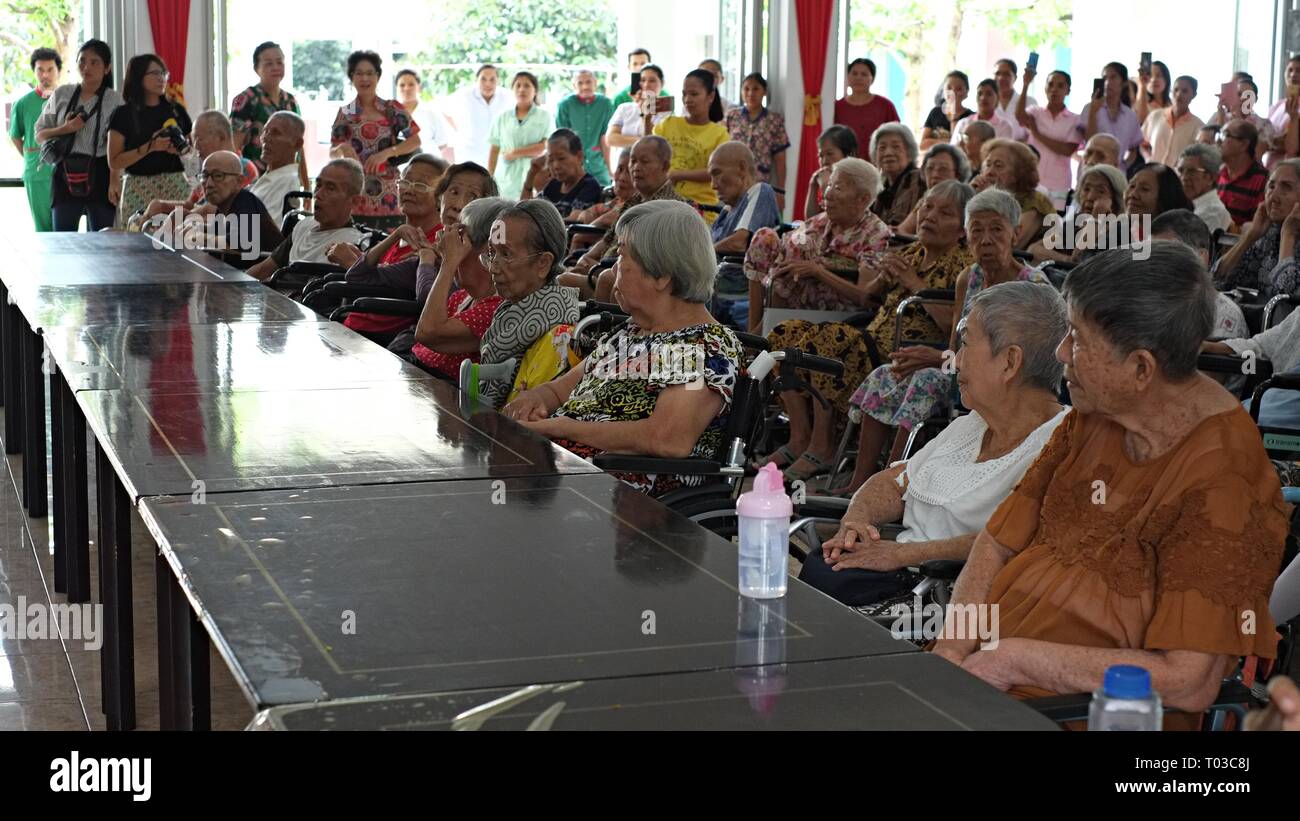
716, 513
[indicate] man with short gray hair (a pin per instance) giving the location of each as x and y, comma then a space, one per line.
747, 205
337, 194
1198, 169
282, 140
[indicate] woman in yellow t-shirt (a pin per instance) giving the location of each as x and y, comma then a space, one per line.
693, 138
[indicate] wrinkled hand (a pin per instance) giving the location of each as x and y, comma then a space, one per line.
948, 652
375, 160
992, 666
1283, 711
983, 181
911, 359
800, 269
1258, 224
902, 273
852, 537
529, 406
452, 244
1291, 225
881, 556
344, 254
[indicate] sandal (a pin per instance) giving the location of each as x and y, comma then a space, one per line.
787, 456
820, 467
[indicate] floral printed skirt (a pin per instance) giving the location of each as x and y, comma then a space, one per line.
833, 340
905, 402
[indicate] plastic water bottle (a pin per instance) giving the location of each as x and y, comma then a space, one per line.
1125, 701
764, 514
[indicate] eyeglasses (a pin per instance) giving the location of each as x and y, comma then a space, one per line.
217, 176
365, 74
412, 185
489, 258
157, 72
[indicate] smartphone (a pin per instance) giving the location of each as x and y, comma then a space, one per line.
1145, 63
664, 103
636, 83
1032, 62
1229, 96
1098, 87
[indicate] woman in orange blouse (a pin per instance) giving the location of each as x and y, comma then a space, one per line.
1151, 528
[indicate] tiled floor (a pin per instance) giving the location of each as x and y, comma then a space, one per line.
53, 683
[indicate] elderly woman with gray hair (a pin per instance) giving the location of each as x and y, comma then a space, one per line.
1100, 193
894, 152
525, 254
1008, 376
640, 391
905, 392
943, 161
1151, 528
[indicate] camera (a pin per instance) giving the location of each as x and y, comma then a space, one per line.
177, 137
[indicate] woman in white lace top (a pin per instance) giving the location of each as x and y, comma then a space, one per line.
1008, 374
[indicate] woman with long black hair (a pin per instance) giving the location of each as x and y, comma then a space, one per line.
694, 136
145, 138
83, 182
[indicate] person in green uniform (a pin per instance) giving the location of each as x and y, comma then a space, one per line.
637, 59
587, 114
37, 177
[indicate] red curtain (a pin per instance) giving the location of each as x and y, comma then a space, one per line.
813, 18
170, 22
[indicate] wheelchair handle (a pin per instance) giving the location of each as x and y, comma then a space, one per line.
799, 359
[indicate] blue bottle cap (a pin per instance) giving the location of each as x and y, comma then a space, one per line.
1127, 681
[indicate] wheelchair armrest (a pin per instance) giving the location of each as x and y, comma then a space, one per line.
303, 271
591, 307
946, 569
1224, 363
861, 319
1069, 707
577, 228
320, 281
902, 239
731, 259
753, 341
948, 294
386, 306
353, 290
652, 464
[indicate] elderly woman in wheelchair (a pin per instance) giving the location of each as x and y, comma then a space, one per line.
1008, 376
662, 384
1151, 528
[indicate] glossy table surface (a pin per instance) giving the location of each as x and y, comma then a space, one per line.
168, 441
417, 588
171, 303
917, 691
192, 358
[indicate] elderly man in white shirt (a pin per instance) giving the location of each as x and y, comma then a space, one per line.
476, 108
1198, 168
281, 141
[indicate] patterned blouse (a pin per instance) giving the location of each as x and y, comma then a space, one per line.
369, 137
917, 324
1260, 268
249, 113
817, 239
476, 315
766, 136
623, 377
896, 200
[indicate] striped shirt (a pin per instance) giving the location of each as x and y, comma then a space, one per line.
1242, 194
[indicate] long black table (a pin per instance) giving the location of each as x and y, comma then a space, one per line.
330, 593
916, 691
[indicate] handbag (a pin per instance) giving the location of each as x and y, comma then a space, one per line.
79, 169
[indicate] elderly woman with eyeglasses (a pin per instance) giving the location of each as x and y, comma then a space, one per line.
894, 152
943, 161
395, 262
1101, 193
662, 384
524, 256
